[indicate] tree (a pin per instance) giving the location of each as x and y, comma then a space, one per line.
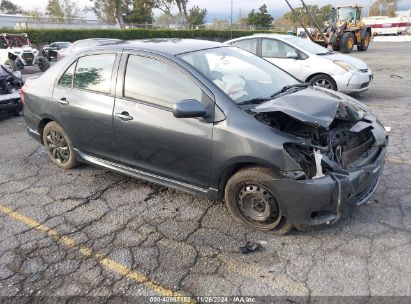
55, 10
70, 9
62, 9
383, 8
261, 18
197, 16
221, 24
8, 7
111, 10
322, 15
183, 15
140, 13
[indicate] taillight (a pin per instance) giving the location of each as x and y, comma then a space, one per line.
22, 95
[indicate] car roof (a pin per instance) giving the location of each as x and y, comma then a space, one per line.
173, 46
265, 35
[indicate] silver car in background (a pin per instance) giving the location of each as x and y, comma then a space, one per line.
309, 62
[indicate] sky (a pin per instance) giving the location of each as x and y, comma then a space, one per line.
221, 8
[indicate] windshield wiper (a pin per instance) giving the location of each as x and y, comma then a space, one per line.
288, 87
255, 100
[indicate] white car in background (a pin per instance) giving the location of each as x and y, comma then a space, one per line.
309, 62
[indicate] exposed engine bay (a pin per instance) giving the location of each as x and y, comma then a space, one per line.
10, 84
344, 144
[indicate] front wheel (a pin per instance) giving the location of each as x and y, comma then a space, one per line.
250, 201
324, 81
347, 42
58, 145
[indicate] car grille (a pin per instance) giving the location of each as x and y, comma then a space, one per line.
364, 70
29, 57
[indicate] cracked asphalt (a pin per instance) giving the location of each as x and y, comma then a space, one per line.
91, 232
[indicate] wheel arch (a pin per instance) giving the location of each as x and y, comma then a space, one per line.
321, 73
42, 124
230, 170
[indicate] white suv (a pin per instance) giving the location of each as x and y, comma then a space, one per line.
16, 52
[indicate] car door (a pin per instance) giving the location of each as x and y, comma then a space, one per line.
276, 52
149, 137
84, 101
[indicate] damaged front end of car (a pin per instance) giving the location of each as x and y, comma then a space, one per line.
10, 85
340, 147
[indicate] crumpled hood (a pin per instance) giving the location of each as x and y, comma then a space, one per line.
314, 105
357, 63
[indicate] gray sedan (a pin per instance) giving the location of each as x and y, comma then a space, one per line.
214, 120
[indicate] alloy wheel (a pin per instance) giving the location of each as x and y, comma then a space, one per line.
324, 83
58, 146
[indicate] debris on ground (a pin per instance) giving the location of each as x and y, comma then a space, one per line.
250, 247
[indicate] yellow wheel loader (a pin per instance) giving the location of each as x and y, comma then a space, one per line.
345, 31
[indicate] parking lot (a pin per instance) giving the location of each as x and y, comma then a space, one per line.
92, 232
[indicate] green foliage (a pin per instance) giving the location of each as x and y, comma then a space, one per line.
55, 10
49, 35
261, 18
8, 7
62, 9
197, 15
322, 15
383, 8
141, 12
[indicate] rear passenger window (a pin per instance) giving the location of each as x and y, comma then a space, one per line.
272, 48
94, 72
157, 82
67, 79
250, 45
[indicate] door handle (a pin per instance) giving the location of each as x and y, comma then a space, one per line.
124, 116
63, 101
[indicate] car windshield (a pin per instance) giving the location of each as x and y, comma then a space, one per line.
308, 45
240, 74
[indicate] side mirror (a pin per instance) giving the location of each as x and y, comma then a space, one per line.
189, 108
292, 55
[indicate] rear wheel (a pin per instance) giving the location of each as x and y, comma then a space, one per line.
323, 81
43, 63
365, 42
251, 202
58, 145
347, 42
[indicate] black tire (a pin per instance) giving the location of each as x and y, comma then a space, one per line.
365, 42
336, 47
43, 63
251, 203
11, 64
347, 42
324, 81
58, 146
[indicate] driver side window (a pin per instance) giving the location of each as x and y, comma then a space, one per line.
272, 48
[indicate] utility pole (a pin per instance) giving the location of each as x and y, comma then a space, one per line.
231, 20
